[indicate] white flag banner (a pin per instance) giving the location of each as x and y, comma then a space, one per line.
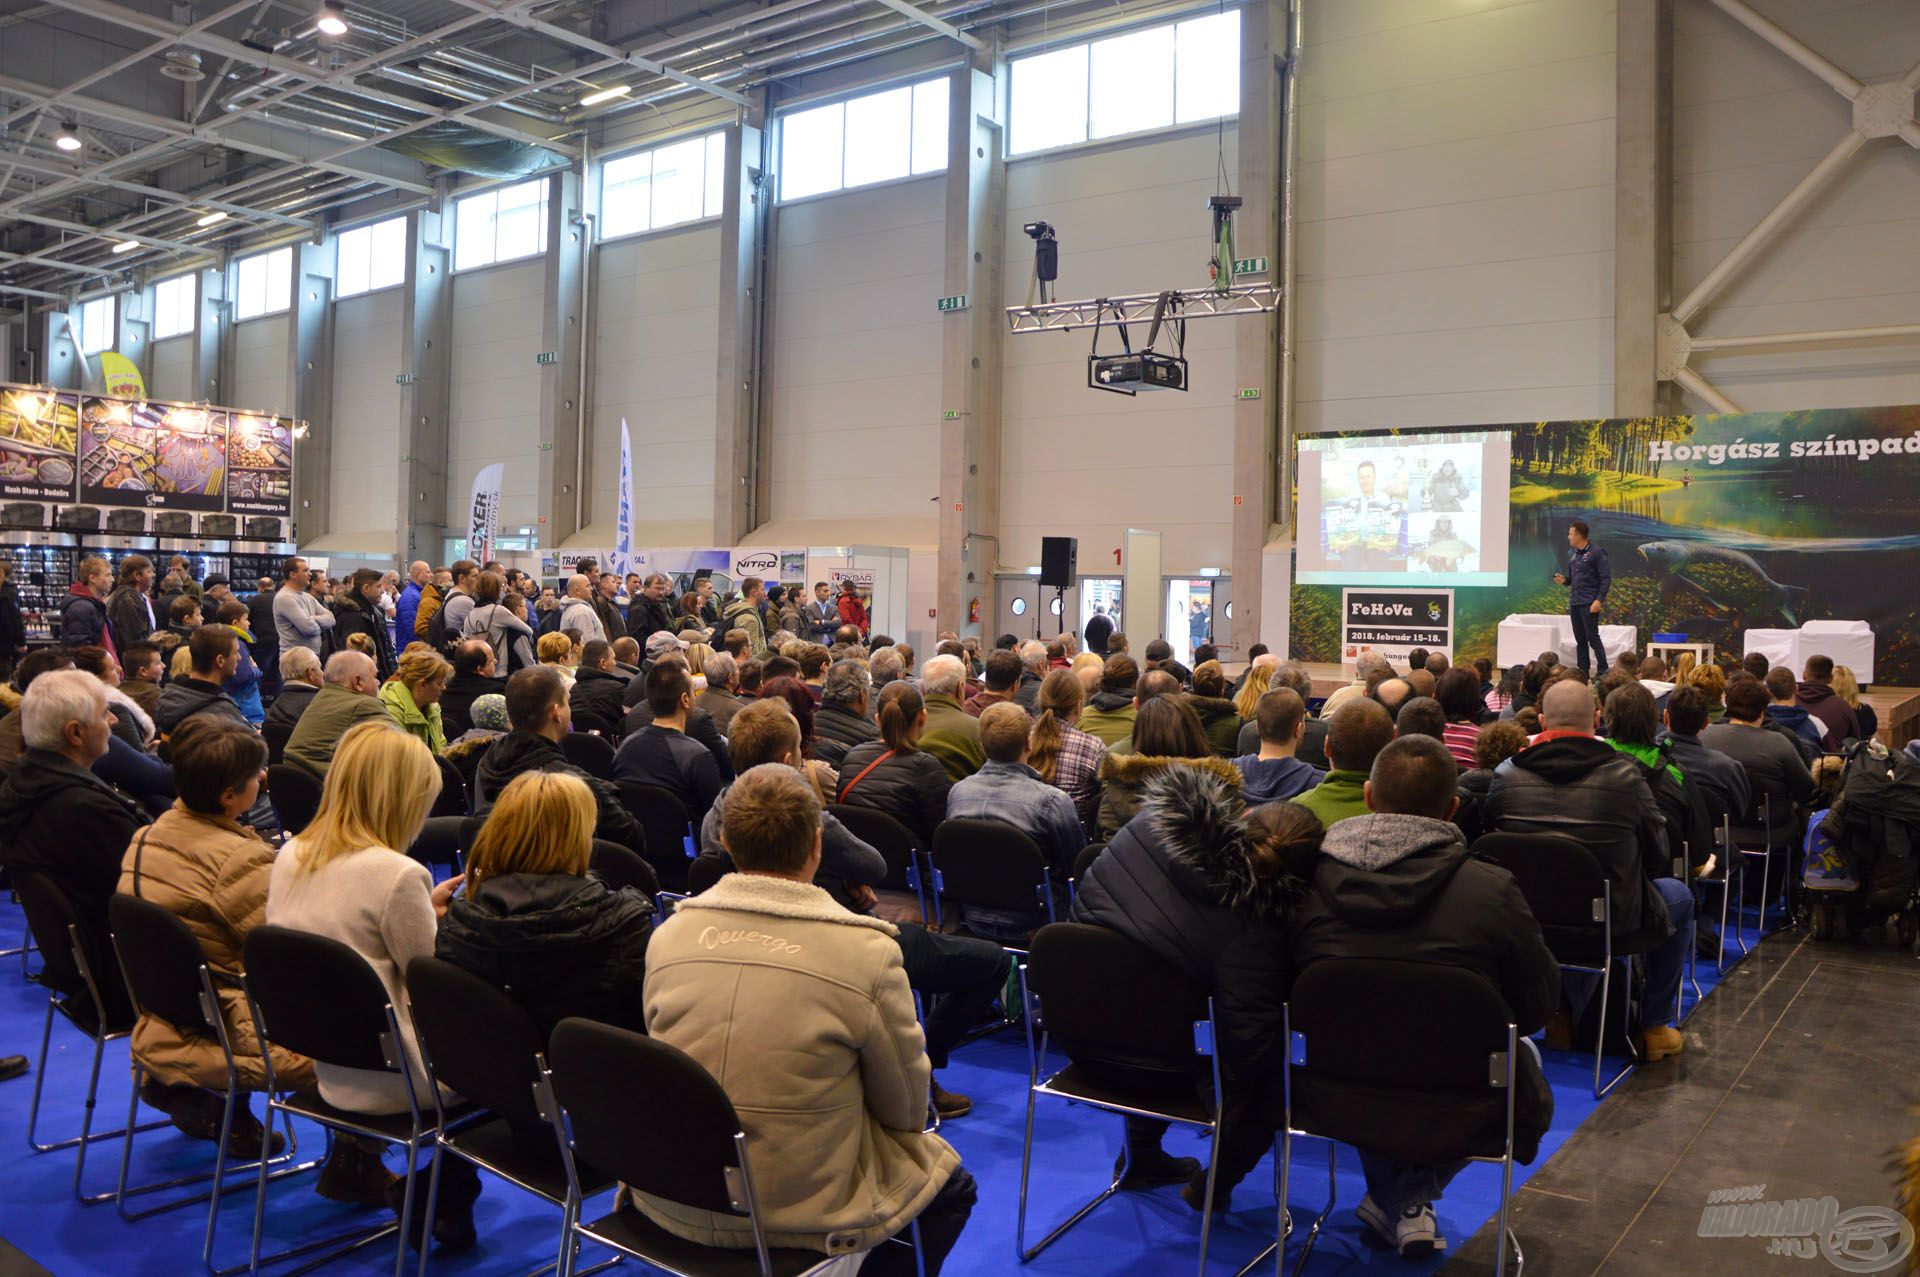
622, 557
483, 517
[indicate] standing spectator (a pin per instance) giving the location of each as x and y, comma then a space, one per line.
744, 614
822, 614
83, 612
244, 683
1060, 753
650, 612
1099, 630
494, 619
406, 609
446, 626
688, 623
853, 611
359, 612
298, 617
266, 638
578, 613
606, 609
129, 609
13, 626
432, 596
214, 591
412, 697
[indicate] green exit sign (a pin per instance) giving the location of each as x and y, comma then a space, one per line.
1250, 392
547, 357
405, 379
957, 302
1249, 265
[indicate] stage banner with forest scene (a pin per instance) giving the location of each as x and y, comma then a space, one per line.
1713, 525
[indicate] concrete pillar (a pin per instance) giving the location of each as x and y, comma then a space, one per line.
426, 398
204, 368
1642, 200
970, 363
1260, 490
745, 224
310, 387
561, 504
60, 341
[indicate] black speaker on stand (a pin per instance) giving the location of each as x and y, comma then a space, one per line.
1059, 564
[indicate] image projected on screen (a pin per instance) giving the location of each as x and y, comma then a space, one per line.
1428, 508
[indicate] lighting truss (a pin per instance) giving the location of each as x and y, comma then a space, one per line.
1190, 303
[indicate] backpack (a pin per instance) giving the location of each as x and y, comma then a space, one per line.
437, 638
495, 637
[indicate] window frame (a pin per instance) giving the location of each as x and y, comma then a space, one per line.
192, 280
285, 304
494, 192
911, 83
369, 229
83, 329
706, 139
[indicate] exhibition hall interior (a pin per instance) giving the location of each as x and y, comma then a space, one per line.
915, 637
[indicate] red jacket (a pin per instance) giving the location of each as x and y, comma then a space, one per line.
853, 612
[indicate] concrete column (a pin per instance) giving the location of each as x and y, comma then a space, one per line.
562, 506
426, 350
745, 224
970, 363
310, 387
204, 370
60, 340
1260, 489
1643, 190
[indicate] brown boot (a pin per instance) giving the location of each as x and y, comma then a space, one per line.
948, 1105
1660, 1042
1560, 1031
354, 1174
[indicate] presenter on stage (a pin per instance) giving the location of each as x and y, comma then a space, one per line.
1591, 577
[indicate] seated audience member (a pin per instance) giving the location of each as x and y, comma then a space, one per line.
1722, 782
599, 688
1159, 656
894, 774
1421, 716
1711, 682
1356, 734
1000, 680
1034, 666
842, 721
1437, 665
1392, 694
531, 919
1632, 726
1398, 884
1465, 707
1110, 712
1423, 682
131, 724
1416, 659
1166, 737
700, 727
556, 653
56, 816
1313, 739
412, 697
30, 667
350, 696
1089, 669
1785, 709
473, 677
1368, 672
129, 764
1060, 753
751, 674
1568, 782
1254, 684
141, 670
347, 876
627, 656
214, 653
661, 753
721, 699
952, 735
1117, 644
885, 666
1008, 791
1204, 885
539, 717
1218, 718
1275, 773
1501, 696
1497, 742
841, 1162
1847, 687
1756, 664
1837, 719
1769, 759
300, 682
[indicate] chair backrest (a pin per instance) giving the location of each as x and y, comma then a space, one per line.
884, 834
1084, 861
703, 872
162, 962
478, 1040
664, 819
589, 753
441, 840
1110, 1003
1770, 803
452, 798
990, 865
649, 1115
316, 997
1565, 887
1457, 1017
53, 924
276, 735
618, 867
585, 720
295, 796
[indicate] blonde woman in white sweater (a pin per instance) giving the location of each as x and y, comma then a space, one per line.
347, 876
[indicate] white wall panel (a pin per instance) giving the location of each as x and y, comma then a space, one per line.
172, 369
366, 412
260, 366
497, 317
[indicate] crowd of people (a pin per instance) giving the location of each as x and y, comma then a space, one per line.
1244, 838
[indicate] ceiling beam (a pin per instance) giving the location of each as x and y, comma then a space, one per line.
591, 45
180, 200
110, 233
908, 9
32, 292
41, 259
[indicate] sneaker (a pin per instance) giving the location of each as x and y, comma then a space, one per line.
1660, 1042
948, 1105
1414, 1233
1156, 1170
355, 1175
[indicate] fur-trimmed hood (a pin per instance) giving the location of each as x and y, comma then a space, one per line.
1135, 770
1196, 813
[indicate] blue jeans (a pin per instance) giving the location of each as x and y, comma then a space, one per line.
1668, 962
1394, 1186
1586, 633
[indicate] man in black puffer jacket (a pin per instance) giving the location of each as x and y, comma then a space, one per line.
538, 713
599, 686
1398, 884
1205, 888
841, 722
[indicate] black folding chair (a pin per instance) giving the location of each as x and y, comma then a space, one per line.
442, 841
1350, 1078
316, 997
618, 867
167, 974
276, 735
591, 754
1140, 1038
451, 801
663, 817
1082, 863
1567, 891
585, 720
1768, 828
650, 1116
295, 796
483, 1045
989, 865
703, 873
899, 846
98, 1008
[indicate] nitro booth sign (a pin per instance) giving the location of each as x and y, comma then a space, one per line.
1391, 623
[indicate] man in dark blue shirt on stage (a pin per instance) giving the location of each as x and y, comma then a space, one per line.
1590, 578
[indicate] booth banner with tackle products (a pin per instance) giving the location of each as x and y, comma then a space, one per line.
260, 464
156, 455
39, 441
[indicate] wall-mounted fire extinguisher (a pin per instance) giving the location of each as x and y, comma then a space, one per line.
973, 612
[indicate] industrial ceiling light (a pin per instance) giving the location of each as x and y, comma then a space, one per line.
330, 20
126, 246
213, 218
606, 95
68, 138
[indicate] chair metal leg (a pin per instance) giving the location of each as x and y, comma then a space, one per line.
1026, 1161
1206, 1199
1320, 1221
1283, 1224
1600, 1042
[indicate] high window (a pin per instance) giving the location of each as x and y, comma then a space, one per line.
264, 284
500, 225
1180, 73
678, 182
899, 132
173, 306
371, 257
97, 325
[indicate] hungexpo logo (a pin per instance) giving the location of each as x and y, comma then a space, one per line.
1865, 1239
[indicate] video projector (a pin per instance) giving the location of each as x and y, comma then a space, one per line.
1136, 371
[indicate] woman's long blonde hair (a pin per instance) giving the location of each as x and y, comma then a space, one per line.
422, 667
697, 654
1846, 685
1248, 701
380, 786
542, 823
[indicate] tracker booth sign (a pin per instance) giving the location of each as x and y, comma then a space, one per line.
1391, 623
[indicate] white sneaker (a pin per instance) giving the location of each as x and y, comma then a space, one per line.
1414, 1234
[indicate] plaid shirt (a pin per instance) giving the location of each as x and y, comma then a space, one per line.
1077, 772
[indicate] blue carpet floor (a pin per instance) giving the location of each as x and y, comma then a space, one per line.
1075, 1149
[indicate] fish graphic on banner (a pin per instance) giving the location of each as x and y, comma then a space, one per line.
621, 560
483, 518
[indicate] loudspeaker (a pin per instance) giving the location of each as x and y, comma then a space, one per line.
1058, 557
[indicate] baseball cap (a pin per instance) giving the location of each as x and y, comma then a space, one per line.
661, 642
